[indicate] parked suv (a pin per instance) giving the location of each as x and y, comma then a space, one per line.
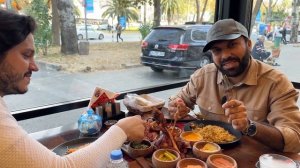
176, 48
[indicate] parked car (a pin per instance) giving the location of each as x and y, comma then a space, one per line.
104, 27
92, 33
175, 48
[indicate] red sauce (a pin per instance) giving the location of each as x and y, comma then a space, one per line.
222, 163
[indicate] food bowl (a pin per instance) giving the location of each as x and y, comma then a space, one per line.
137, 149
203, 149
191, 136
184, 163
220, 161
110, 123
161, 158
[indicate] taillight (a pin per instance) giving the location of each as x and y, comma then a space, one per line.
144, 44
181, 47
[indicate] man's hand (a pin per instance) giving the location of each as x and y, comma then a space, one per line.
134, 127
177, 108
237, 115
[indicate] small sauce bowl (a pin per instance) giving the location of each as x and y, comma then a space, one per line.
110, 123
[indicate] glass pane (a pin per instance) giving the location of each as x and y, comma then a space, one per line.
110, 65
275, 20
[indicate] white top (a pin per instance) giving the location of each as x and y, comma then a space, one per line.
19, 150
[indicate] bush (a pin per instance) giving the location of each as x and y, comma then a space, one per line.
145, 29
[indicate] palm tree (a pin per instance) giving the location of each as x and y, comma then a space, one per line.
118, 8
169, 7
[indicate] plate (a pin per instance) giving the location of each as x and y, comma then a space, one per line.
62, 148
224, 125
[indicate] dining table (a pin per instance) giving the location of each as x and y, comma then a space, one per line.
246, 152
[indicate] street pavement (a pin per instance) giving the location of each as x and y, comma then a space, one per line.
128, 36
50, 87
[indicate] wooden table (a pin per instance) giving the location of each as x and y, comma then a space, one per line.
246, 153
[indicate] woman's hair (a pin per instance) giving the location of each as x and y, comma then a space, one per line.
14, 28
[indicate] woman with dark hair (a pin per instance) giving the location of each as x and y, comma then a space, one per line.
17, 148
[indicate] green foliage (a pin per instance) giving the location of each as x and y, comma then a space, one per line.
145, 29
118, 8
38, 9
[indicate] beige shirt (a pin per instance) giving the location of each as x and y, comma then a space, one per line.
266, 92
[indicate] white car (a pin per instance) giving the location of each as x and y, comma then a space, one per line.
92, 33
103, 27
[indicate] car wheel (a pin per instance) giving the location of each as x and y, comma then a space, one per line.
80, 36
156, 69
204, 60
101, 36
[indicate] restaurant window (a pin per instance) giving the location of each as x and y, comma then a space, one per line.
116, 66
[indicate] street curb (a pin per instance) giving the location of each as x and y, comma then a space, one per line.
57, 67
49, 66
131, 65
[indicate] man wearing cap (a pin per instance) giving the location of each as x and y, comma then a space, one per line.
261, 102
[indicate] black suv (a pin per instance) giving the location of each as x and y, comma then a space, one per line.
176, 48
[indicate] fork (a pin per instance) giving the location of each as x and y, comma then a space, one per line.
228, 87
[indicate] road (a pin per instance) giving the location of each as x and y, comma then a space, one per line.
128, 36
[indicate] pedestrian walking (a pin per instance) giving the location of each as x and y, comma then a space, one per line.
283, 32
119, 31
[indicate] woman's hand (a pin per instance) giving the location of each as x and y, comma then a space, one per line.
177, 108
237, 115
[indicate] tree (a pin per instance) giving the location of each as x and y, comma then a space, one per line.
68, 27
118, 8
197, 11
295, 23
55, 23
38, 9
255, 12
269, 10
203, 11
169, 7
157, 12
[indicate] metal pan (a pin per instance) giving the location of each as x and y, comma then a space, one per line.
62, 148
224, 125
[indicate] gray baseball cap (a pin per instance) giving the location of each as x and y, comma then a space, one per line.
226, 29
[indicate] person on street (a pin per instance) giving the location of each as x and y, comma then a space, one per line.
252, 96
259, 52
119, 31
283, 33
17, 148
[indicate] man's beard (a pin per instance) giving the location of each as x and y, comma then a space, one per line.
9, 80
243, 64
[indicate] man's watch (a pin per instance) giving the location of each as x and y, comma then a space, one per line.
251, 129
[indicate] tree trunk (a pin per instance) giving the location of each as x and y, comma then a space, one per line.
69, 43
145, 13
254, 12
55, 24
169, 17
203, 11
269, 12
197, 11
295, 23
157, 13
